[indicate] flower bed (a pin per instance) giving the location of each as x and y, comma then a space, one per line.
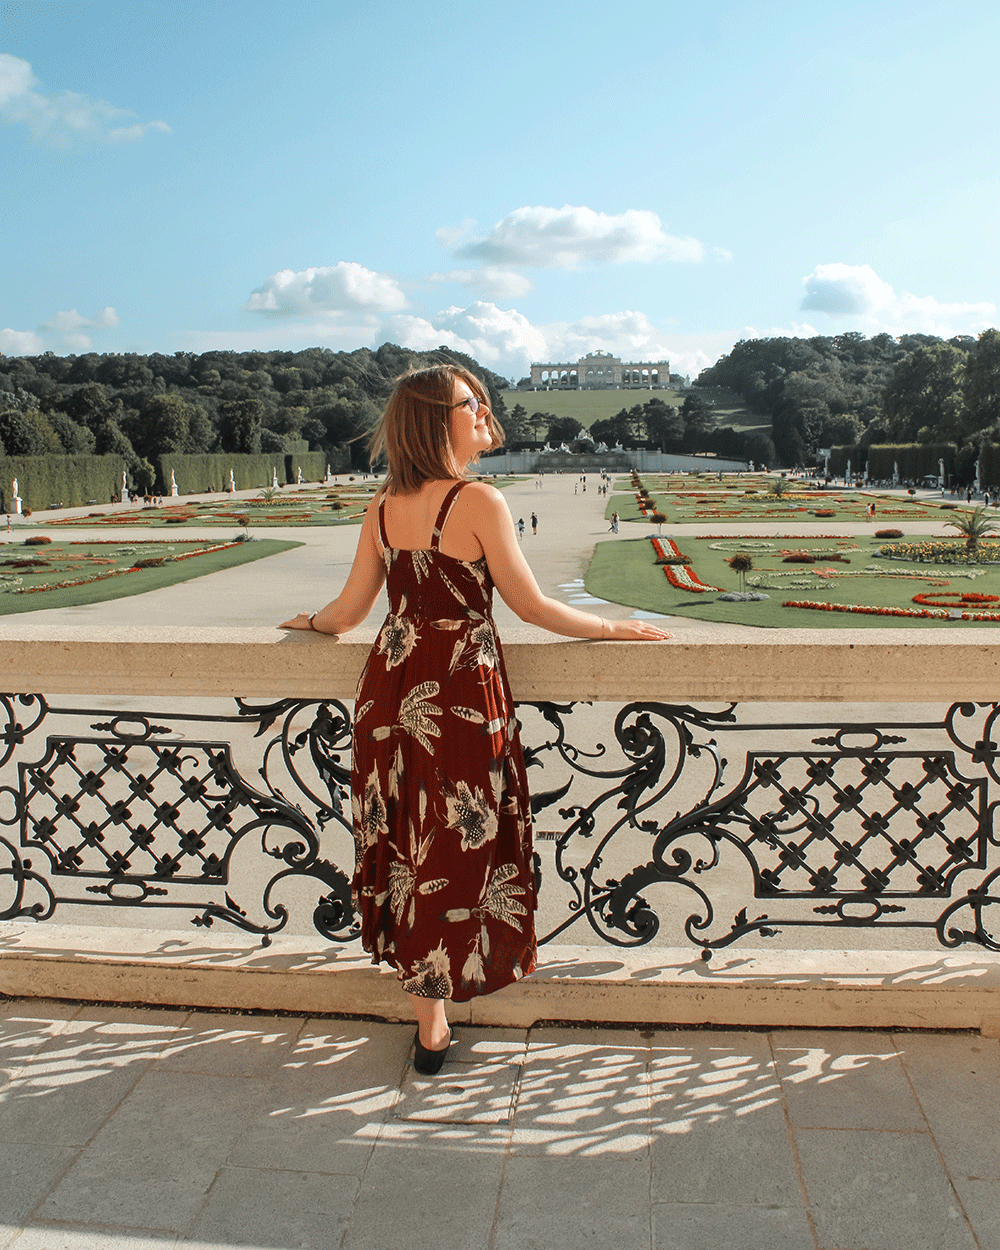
680, 576
66, 583
864, 609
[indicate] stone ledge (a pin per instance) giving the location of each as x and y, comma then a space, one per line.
788, 665
655, 985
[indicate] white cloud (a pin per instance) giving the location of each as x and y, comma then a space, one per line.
856, 291
489, 282
851, 289
59, 119
568, 237
20, 343
344, 287
68, 322
71, 326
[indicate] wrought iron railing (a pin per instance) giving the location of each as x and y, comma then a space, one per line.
655, 820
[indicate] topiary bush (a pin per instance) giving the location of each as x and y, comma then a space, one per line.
888, 533
37, 540
799, 557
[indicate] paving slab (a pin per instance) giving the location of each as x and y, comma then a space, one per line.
572, 1202
163, 1149
955, 1077
728, 1226
880, 1191
836, 1079
252, 1207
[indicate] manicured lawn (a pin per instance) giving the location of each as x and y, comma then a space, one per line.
31, 576
590, 406
844, 572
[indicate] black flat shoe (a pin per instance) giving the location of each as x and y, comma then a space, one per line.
429, 1062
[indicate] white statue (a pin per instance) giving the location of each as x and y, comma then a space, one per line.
124, 484
173, 484
232, 482
847, 474
895, 473
299, 478
328, 474
274, 478
14, 488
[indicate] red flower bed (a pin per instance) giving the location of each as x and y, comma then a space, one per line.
932, 598
680, 576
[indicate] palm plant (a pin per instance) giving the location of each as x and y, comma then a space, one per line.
974, 525
269, 494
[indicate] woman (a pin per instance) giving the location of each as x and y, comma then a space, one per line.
444, 877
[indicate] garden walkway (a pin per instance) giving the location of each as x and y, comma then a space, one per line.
127, 1129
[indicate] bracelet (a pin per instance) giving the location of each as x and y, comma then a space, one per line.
604, 629
310, 620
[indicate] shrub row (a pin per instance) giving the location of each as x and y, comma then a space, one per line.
211, 471
69, 480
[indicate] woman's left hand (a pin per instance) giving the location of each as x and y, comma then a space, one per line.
301, 621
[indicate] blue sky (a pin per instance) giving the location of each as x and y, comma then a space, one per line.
522, 181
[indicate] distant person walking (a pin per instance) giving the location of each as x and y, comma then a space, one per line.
534, 524
614, 523
520, 528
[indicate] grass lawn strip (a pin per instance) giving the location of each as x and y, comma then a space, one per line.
70, 574
847, 586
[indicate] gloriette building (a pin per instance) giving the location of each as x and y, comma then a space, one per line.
600, 371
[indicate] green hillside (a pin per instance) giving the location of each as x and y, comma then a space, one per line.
590, 406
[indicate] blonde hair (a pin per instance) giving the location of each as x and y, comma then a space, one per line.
414, 428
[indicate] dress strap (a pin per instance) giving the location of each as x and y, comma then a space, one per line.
381, 520
442, 517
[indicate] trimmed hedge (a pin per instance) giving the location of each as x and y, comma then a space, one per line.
839, 457
70, 480
915, 460
198, 473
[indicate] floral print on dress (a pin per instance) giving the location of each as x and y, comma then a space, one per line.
444, 877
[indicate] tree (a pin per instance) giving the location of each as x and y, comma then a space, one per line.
563, 430
981, 383
516, 427
77, 440
664, 424
241, 425
27, 434
926, 390
271, 442
699, 421
91, 405
612, 430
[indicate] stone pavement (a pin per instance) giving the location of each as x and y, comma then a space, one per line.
134, 1129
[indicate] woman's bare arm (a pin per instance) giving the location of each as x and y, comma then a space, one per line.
490, 521
360, 591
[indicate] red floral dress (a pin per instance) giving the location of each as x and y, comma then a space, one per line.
444, 875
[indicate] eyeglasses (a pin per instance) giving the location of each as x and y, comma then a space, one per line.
474, 404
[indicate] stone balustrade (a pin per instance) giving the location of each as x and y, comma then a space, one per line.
953, 985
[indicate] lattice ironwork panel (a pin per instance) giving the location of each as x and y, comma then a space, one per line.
857, 826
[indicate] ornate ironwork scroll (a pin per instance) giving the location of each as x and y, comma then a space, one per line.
660, 822
127, 815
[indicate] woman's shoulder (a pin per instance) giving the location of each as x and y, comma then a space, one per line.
480, 492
